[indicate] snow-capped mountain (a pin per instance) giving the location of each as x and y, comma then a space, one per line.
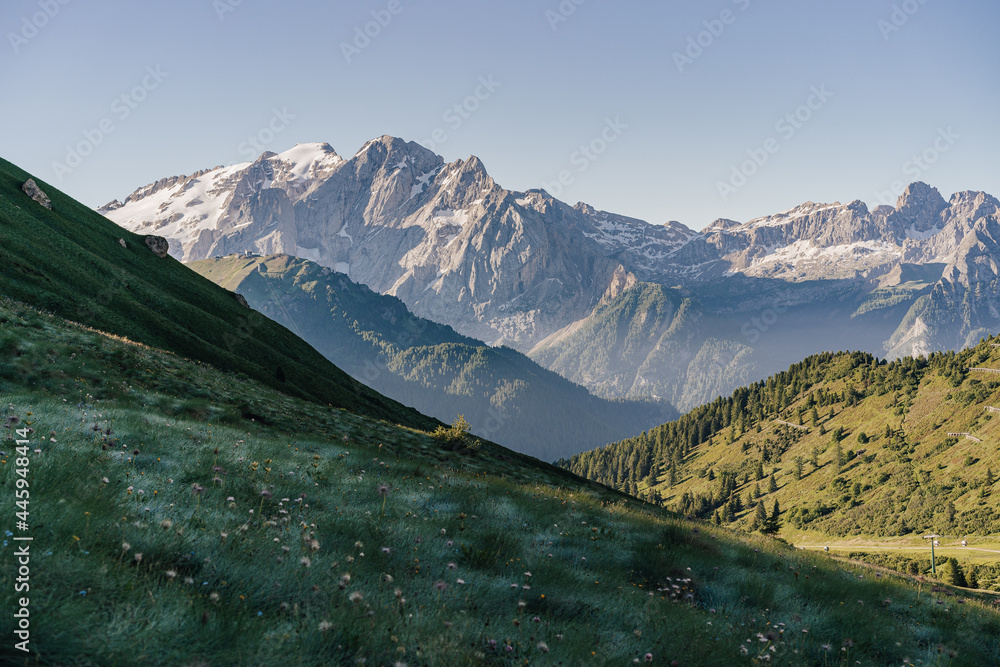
445, 238
528, 270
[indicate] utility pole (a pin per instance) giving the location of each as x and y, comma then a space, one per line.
933, 539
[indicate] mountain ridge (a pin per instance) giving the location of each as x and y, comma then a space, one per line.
516, 268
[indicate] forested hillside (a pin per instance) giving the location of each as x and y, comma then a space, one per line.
841, 444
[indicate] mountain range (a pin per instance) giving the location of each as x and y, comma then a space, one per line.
679, 315
206, 470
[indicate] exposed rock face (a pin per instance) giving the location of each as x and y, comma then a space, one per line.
122, 243
520, 267
158, 245
32, 190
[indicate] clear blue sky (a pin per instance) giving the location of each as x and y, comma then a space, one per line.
894, 93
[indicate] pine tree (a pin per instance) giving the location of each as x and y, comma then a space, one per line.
772, 486
759, 517
759, 472
773, 522
798, 467
814, 417
953, 574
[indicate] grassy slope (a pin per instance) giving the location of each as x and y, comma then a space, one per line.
69, 261
505, 396
130, 566
897, 487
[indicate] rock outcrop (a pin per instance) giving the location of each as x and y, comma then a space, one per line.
32, 190
159, 245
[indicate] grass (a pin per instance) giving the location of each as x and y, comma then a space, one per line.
322, 537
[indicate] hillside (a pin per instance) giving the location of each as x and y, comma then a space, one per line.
847, 445
171, 528
73, 262
505, 396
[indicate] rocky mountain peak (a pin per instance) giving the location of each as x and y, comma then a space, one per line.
921, 205
621, 280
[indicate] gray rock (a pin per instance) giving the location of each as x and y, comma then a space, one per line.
32, 190
122, 243
158, 245
240, 299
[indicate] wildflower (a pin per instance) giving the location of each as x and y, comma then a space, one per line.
649, 657
230, 499
383, 490
138, 557
214, 597
166, 524
826, 648
527, 574
443, 531
543, 647
286, 549
449, 543
266, 494
325, 626
460, 581
305, 561
171, 574
197, 489
223, 535
386, 550
440, 586
356, 597
105, 480
126, 546
452, 566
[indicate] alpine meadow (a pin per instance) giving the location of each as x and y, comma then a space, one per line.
569, 333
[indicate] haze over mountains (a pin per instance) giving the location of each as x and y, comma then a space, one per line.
622, 306
505, 396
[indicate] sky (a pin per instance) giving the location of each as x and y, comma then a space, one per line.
681, 110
